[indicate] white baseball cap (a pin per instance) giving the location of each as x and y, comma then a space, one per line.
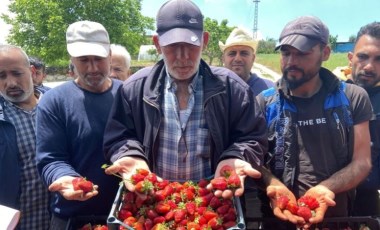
85, 38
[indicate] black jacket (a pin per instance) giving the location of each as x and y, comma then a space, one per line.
236, 124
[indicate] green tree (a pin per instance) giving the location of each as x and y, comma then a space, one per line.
333, 40
266, 46
39, 26
217, 33
352, 38
154, 53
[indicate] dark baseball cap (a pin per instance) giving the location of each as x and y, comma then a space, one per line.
304, 33
179, 21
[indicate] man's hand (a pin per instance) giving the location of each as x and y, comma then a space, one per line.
127, 166
325, 198
64, 186
277, 189
242, 169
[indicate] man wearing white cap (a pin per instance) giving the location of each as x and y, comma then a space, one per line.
70, 124
239, 53
317, 127
180, 118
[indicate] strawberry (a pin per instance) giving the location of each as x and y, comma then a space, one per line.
219, 183
159, 220
233, 181
229, 224
187, 194
124, 214
304, 212
203, 191
230, 215
162, 207
215, 202
138, 226
179, 215
192, 226
144, 187
221, 210
226, 171
161, 184
176, 197
135, 178
148, 224
308, 201
130, 221
282, 201
152, 177
80, 183
151, 214
160, 195
100, 227
169, 215
169, 190
202, 183
190, 207
201, 210
292, 207
215, 223
142, 171
209, 214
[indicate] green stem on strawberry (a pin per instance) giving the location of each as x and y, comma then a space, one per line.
104, 166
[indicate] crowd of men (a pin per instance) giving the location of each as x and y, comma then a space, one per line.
309, 133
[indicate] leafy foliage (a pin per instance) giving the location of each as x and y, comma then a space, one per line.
217, 33
39, 26
333, 40
266, 46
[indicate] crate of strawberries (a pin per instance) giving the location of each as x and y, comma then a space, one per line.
174, 206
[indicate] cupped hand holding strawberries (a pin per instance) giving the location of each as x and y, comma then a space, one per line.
126, 167
325, 198
238, 170
307, 210
276, 193
74, 188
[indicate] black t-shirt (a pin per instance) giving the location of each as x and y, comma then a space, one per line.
317, 159
313, 140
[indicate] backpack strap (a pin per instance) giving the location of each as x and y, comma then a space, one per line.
340, 99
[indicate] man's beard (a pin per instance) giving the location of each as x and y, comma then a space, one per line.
294, 84
365, 84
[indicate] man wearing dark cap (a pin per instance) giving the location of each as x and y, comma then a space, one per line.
71, 119
180, 118
317, 127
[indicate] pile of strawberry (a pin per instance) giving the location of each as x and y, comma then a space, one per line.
304, 208
173, 205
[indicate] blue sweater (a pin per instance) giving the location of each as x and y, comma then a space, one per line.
70, 126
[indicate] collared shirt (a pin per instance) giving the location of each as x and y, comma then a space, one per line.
34, 196
184, 139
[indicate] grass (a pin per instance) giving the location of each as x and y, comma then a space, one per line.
272, 61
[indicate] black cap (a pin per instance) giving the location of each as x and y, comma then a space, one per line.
179, 21
304, 33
